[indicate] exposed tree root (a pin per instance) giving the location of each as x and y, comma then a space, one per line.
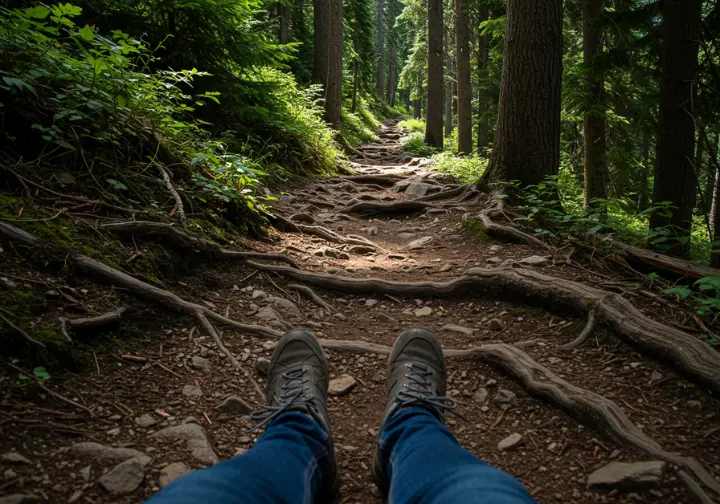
332, 236
585, 334
19, 331
507, 232
182, 240
310, 294
387, 208
689, 354
599, 412
81, 324
383, 180
662, 262
171, 189
446, 194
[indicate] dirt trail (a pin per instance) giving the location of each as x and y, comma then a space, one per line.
182, 405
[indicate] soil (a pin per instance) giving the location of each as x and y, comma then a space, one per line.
558, 450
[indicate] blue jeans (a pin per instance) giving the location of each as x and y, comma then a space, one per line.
421, 457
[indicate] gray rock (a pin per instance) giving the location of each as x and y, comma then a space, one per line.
124, 478
171, 472
262, 365
20, 499
425, 311
378, 377
458, 329
496, 324
331, 253
145, 421
234, 405
694, 404
401, 186
92, 450
257, 293
200, 363
192, 391
191, 419
445, 267
9, 474
269, 316
417, 189
420, 242
494, 249
85, 473
480, 395
533, 260
505, 396
656, 376
372, 230
15, 458
361, 250
341, 386
196, 439
286, 309
628, 476
371, 302
510, 442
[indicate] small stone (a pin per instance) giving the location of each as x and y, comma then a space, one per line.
192, 391
191, 420
75, 496
113, 432
371, 302
656, 376
85, 473
9, 474
145, 421
204, 352
200, 363
458, 329
15, 458
262, 365
480, 395
115, 418
694, 404
196, 438
534, 260
372, 230
257, 293
494, 249
171, 472
628, 476
445, 267
493, 260
496, 325
491, 382
20, 499
397, 257
615, 453
65, 178
510, 442
425, 311
124, 478
420, 242
234, 405
286, 309
384, 317
92, 450
378, 377
341, 386
635, 365
505, 396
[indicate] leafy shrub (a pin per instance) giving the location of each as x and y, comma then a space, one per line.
462, 168
359, 126
413, 125
414, 144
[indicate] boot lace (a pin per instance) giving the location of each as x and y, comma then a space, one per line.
293, 394
418, 390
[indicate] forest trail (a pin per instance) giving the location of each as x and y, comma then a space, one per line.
177, 403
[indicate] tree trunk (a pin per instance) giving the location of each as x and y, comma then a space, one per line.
407, 100
464, 86
355, 86
448, 92
284, 12
675, 178
715, 208
483, 95
527, 136
333, 96
321, 47
434, 118
381, 50
594, 122
392, 74
644, 194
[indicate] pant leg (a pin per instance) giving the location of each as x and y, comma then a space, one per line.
287, 465
426, 465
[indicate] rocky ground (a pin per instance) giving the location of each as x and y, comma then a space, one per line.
171, 401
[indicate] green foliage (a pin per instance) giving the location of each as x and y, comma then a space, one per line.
39, 376
414, 144
359, 126
412, 125
463, 169
707, 300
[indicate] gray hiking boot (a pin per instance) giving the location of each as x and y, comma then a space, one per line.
298, 381
416, 377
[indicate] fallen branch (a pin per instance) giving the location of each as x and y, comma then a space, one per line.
388, 208
171, 189
598, 411
689, 354
662, 262
584, 334
19, 331
81, 324
304, 289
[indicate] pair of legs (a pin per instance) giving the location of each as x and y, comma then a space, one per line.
418, 460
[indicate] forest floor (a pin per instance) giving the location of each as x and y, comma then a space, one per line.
178, 403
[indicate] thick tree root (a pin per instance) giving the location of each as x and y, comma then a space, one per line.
689, 354
383, 180
310, 294
81, 324
507, 232
388, 208
585, 334
458, 191
184, 241
332, 236
598, 411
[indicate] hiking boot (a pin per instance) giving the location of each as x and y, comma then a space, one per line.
297, 380
416, 377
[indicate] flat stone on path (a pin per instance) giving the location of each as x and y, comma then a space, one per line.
371, 302
286, 309
480, 396
234, 405
92, 450
534, 260
124, 478
458, 329
196, 438
505, 396
192, 391
341, 386
171, 472
417, 189
200, 363
15, 458
145, 421
420, 242
425, 311
510, 442
628, 476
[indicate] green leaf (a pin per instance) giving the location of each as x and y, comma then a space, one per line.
87, 33
41, 373
38, 12
117, 184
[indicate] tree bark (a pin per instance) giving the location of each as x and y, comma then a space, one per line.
462, 53
715, 208
594, 121
417, 106
644, 196
434, 118
321, 48
449, 78
527, 136
392, 75
483, 95
355, 86
675, 178
381, 49
333, 95
284, 12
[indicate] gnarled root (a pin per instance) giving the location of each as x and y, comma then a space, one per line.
383, 180
332, 236
387, 208
680, 348
81, 324
458, 191
585, 333
310, 294
507, 232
